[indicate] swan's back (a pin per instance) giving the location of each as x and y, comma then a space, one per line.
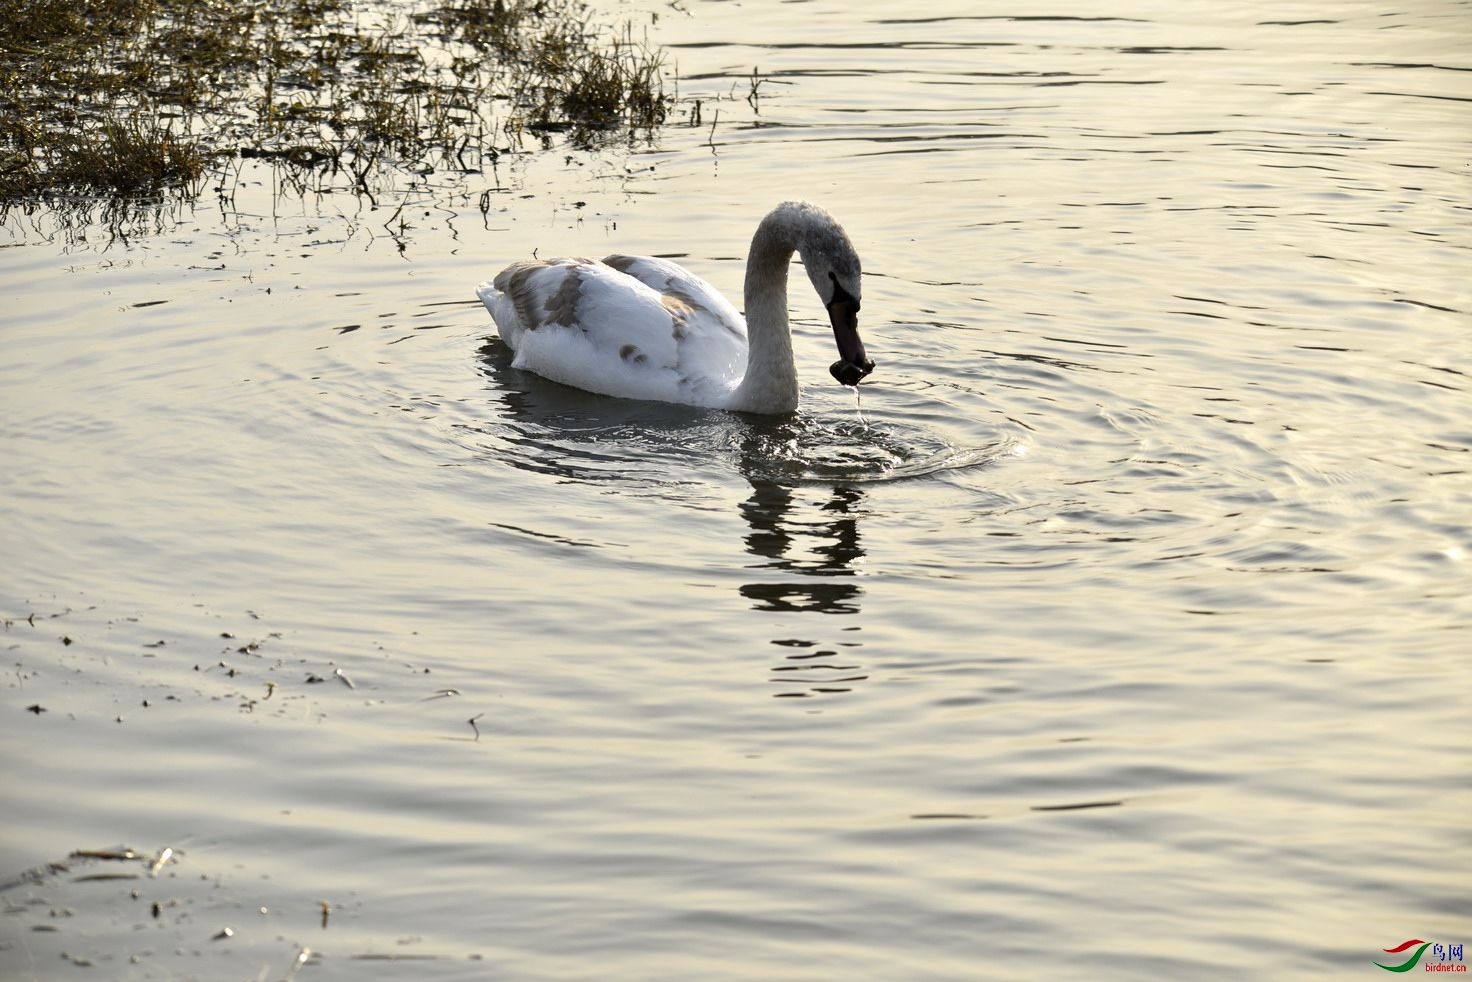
630, 326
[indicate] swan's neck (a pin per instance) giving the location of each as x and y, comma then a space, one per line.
770, 384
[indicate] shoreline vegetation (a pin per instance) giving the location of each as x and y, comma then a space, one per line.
129, 104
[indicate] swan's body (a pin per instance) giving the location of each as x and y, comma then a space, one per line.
645, 328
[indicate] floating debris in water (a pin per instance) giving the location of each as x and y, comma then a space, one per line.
119, 853
158, 864
1077, 807
301, 959
947, 816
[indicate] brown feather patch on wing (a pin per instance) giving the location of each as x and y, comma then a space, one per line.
680, 312
562, 306
559, 308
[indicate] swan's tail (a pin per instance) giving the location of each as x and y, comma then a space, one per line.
503, 312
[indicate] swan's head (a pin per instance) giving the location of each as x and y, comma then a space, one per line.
833, 267
843, 314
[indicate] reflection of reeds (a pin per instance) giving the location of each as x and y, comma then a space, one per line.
134, 154
137, 97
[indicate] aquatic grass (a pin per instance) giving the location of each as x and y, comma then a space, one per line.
131, 155
592, 91
495, 26
145, 98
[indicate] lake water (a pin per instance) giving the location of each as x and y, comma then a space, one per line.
1122, 632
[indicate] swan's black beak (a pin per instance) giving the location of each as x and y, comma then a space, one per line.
853, 364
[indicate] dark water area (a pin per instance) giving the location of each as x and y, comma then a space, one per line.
1120, 629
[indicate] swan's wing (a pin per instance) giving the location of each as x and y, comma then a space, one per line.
673, 280
710, 334
585, 323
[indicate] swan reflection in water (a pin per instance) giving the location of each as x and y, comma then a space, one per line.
811, 535
804, 534
832, 544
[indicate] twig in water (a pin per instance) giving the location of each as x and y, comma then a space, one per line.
297, 963
753, 98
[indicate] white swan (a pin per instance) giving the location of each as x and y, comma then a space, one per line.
645, 328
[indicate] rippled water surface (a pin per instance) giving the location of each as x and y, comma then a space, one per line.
1121, 631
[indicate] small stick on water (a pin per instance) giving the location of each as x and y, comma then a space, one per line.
471, 721
297, 963
123, 853
326, 912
